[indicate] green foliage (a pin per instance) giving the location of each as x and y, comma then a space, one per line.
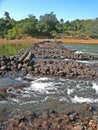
50, 20
12, 49
47, 26
94, 35
28, 26
5, 25
93, 27
14, 33
42, 29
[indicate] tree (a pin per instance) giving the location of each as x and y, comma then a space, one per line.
7, 16
28, 25
50, 20
15, 33
61, 21
42, 29
49, 26
93, 27
5, 25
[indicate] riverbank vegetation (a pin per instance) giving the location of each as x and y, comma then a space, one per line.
11, 47
47, 26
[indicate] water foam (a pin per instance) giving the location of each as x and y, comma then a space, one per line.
78, 52
95, 86
28, 102
3, 102
77, 99
41, 84
69, 91
87, 62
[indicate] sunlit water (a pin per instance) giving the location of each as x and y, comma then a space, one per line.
84, 48
40, 90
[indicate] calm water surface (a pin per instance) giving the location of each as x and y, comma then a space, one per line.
88, 48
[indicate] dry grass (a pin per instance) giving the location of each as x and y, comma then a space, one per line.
11, 47
33, 40
25, 40
89, 41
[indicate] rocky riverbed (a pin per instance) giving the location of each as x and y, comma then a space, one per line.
83, 119
47, 58
49, 86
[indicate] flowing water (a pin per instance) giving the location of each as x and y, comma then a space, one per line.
51, 92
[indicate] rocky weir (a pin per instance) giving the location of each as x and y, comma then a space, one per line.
47, 71
47, 58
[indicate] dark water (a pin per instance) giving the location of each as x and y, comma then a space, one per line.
7, 82
86, 48
45, 92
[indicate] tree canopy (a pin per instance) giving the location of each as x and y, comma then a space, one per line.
47, 26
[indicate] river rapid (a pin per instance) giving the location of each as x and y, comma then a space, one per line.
41, 93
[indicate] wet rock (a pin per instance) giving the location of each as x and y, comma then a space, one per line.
49, 60
67, 69
3, 93
3, 68
24, 71
52, 120
78, 127
19, 66
22, 126
28, 58
23, 57
21, 85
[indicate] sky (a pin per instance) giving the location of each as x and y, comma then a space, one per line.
64, 9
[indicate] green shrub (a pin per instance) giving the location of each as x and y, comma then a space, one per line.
12, 49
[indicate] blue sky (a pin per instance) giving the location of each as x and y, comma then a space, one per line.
66, 9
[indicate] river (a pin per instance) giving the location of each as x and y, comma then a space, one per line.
43, 93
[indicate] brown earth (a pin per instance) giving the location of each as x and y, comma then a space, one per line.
89, 41
32, 40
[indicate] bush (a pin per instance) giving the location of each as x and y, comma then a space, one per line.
15, 33
94, 36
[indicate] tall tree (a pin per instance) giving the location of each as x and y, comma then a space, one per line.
7, 16
28, 25
50, 20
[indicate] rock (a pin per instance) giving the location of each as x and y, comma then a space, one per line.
23, 56
24, 71
54, 65
20, 86
52, 120
28, 58
3, 93
29, 69
22, 126
78, 127
92, 124
3, 68
19, 66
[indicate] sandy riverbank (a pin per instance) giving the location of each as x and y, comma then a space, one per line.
89, 41
32, 40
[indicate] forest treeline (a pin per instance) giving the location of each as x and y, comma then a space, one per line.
47, 26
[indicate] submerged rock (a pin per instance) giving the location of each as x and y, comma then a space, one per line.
51, 120
49, 60
3, 93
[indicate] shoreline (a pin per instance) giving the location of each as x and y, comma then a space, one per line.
33, 40
80, 41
